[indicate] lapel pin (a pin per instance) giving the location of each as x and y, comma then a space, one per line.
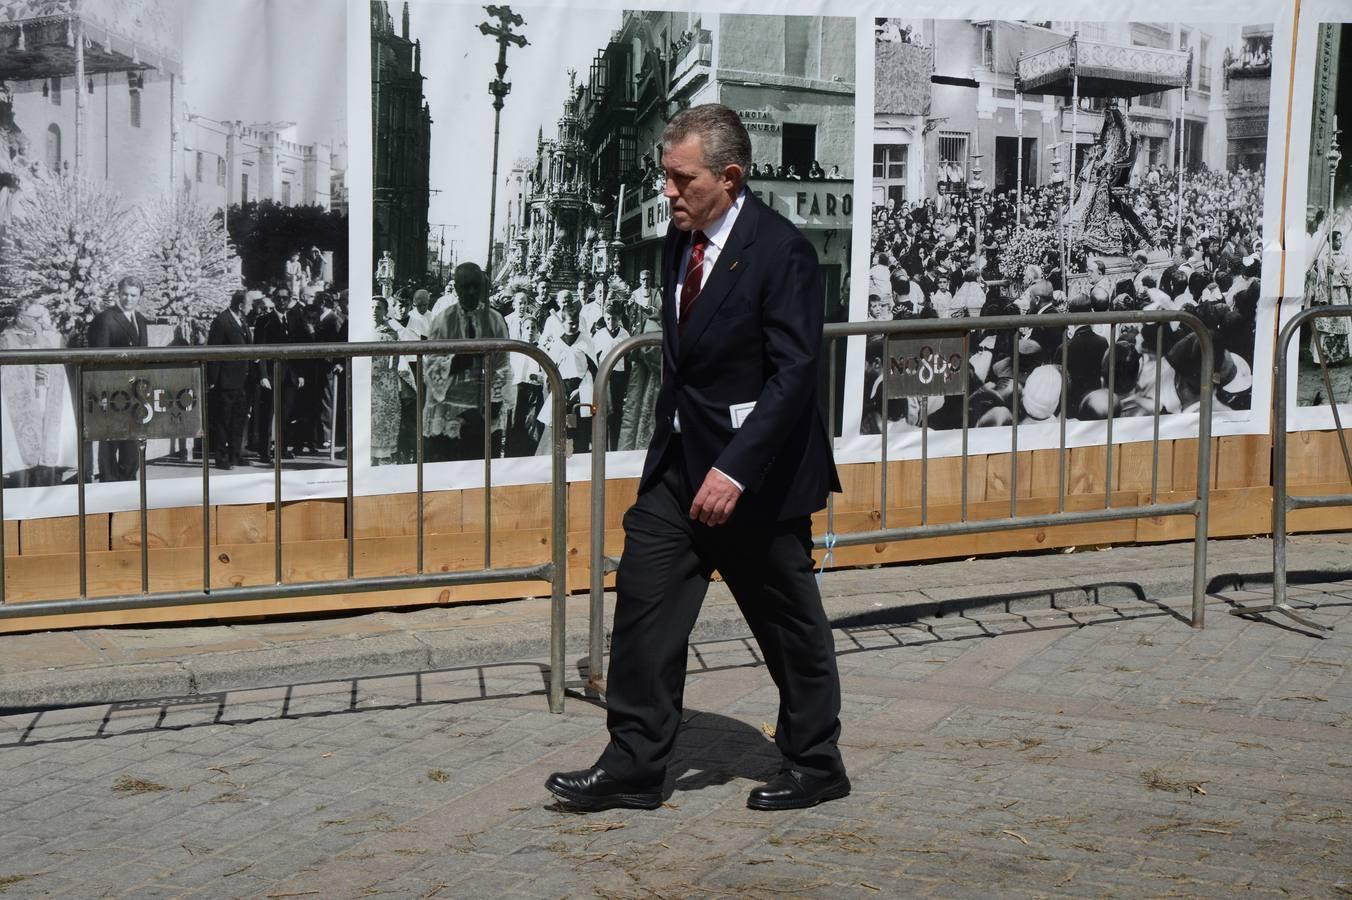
734, 264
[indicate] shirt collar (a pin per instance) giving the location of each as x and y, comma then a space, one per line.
719, 230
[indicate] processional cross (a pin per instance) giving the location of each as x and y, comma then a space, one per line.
499, 88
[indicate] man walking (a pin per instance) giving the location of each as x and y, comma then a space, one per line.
120, 325
738, 462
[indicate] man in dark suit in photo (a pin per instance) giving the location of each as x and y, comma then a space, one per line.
228, 383
120, 325
739, 461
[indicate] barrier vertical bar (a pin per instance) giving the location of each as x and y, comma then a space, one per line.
559, 575
141, 494
206, 480
924, 460
887, 417
1065, 399
349, 453
1155, 438
488, 466
418, 435
2, 500
1208, 373
278, 451
1014, 434
1279, 498
80, 475
596, 565
830, 426
1112, 401
966, 411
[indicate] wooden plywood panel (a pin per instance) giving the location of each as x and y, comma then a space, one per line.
1089, 471
1315, 457
1046, 472
389, 515
12, 546
1139, 468
61, 534
244, 524
1235, 512
179, 527
859, 483
1243, 461
998, 475
939, 481
516, 506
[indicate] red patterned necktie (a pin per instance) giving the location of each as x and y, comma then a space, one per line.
694, 274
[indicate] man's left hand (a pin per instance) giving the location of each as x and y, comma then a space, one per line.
716, 498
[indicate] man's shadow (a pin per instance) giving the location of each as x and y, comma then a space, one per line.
713, 750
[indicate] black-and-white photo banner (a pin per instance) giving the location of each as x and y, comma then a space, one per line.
221, 173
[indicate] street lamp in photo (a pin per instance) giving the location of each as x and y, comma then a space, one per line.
976, 188
503, 34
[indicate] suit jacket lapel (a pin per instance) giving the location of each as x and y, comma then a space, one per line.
716, 288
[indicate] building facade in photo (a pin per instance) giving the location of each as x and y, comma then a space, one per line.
791, 80
228, 163
402, 124
95, 90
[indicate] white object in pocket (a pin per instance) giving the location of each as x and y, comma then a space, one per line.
739, 411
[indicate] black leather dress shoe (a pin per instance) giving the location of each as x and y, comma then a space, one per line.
592, 790
792, 789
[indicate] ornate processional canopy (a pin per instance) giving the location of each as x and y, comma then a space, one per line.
1104, 70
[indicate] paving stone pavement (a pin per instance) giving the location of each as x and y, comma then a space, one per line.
1102, 751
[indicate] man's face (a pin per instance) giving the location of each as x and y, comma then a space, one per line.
469, 287
1337, 241
283, 299
697, 195
128, 295
35, 318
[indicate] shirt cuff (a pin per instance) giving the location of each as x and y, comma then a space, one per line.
739, 485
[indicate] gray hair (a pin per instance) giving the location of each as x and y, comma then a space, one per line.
722, 133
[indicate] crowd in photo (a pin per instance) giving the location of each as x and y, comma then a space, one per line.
963, 255
574, 325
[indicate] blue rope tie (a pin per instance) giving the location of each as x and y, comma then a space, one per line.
830, 555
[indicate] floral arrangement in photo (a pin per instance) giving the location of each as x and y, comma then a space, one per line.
1027, 246
189, 267
69, 243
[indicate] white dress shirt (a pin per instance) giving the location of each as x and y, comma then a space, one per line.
717, 234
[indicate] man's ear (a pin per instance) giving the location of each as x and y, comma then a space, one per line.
733, 175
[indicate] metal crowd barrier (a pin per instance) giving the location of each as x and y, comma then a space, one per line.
601, 564
1282, 500
555, 572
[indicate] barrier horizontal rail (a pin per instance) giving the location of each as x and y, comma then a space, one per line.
1282, 500
278, 356
600, 564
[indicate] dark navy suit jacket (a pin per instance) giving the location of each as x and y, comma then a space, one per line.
753, 335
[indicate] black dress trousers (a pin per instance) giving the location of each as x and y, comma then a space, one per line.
663, 576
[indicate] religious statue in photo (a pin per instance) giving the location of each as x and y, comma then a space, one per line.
1097, 217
